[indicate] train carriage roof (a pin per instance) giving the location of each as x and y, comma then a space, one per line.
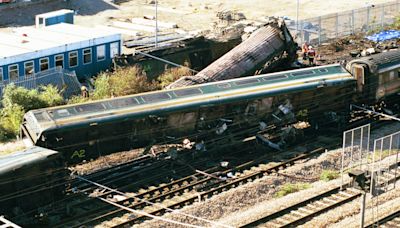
23, 158
381, 62
193, 96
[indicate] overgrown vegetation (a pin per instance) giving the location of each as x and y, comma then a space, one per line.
380, 155
18, 100
328, 175
121, 82
289, 188
172, 74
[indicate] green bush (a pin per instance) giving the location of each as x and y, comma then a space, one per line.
31, 99
50, 96
77, 99
3, 133
173, 74
11, 119
328, 175
102, 87
130, 80
18, 100
291, 188
28, 99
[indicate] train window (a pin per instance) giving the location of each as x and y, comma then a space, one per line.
187, 92
120, 103
29, 68
59, 60
224, 85
13, 72
89, 108
101, 52
391, 75
275, 77
87, 56
44, 64
39, 116
247, 81
323, 70
302, 73
156, 97
63, 112
73, 59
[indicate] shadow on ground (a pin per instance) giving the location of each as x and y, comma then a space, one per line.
25, 15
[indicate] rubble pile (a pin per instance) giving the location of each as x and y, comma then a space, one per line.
348, 48
114, 159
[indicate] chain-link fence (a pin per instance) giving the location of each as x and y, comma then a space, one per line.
320, 29
355, 150
385, 168
65, 81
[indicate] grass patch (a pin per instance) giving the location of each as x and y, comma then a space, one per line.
291, 188
380, 155
328, 175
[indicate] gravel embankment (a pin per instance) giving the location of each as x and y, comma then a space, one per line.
347, 215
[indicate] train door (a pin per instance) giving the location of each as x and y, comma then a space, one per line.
359, 74
93, 137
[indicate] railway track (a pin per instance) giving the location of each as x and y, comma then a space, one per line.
211, 188
389, 221
307, 209
127, 179
175, 194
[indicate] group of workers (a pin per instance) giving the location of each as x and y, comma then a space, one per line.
308, 53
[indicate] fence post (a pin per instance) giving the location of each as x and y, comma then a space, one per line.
319, 30
301, 31
352, 23
368, 12
397, 6
337, 25
383, 15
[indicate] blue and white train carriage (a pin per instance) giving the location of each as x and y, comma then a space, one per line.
87, 51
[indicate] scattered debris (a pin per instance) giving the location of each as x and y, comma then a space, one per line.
268, 47
228, 15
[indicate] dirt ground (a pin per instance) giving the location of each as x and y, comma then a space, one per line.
188, 14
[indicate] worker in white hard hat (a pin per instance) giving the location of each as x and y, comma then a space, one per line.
84, 91
311, 55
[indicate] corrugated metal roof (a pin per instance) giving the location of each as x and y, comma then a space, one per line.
19, 159
28, 43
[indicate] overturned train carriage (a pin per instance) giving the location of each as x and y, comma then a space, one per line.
199, 112
265, 49
29, 180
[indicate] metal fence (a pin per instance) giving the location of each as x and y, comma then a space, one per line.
320, 29
383, 172
65, 81
355, 150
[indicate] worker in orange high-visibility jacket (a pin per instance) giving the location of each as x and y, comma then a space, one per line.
304, 50
311, 55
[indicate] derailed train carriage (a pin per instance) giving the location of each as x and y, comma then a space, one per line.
89, 130
29, 180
